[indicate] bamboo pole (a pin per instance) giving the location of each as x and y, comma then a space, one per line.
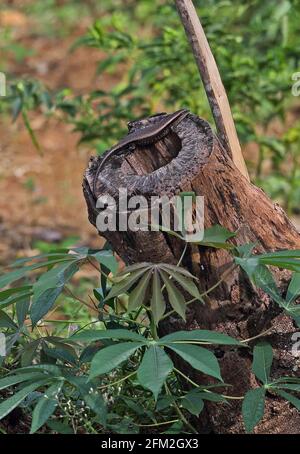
212, 82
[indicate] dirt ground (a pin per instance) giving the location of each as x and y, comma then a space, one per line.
41, 196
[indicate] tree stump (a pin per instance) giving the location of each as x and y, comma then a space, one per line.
191, 158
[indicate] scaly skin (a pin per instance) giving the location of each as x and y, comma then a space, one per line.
144, 136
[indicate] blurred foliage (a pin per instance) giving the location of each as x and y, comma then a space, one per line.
257, 51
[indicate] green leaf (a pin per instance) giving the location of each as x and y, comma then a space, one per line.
50, 369
12, 291
263, 278
283, 259
200, 335
107, 259
193, 403
137, 296
187, 284
56, 277
125, 284
253, 408
158, 304
18, 274
94, 335
28, 353
8, 405
60, 427
164, 402
44, 303
289, 386
176, 299
289, 397
199, 358
293, 290
154, 369
22, 308
244, 251
15, 298
111, 357
6, 321
211, 396
173, 269
48, 288
93, 400
216, 237
262, 361
45, 407
249, 264
15, 379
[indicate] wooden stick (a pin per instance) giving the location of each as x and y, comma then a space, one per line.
213, 85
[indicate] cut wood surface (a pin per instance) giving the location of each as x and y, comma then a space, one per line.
191, 158
212, 82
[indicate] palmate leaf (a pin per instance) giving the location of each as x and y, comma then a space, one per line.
144, 282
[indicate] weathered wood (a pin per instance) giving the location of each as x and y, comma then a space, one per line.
212, 82
191, 158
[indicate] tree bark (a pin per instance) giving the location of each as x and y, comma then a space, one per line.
191, 158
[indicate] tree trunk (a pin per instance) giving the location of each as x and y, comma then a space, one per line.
191, 158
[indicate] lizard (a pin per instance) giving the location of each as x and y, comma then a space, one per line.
144, 136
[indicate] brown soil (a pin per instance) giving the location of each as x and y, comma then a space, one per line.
41, 196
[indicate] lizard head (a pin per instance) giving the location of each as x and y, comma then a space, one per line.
142, 123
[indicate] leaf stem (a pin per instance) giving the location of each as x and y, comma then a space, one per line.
118, 381
179, 412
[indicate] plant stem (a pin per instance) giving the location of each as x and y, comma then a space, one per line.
179, 412
68, 290
206, 390
118, 381
244, 341
157, 424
